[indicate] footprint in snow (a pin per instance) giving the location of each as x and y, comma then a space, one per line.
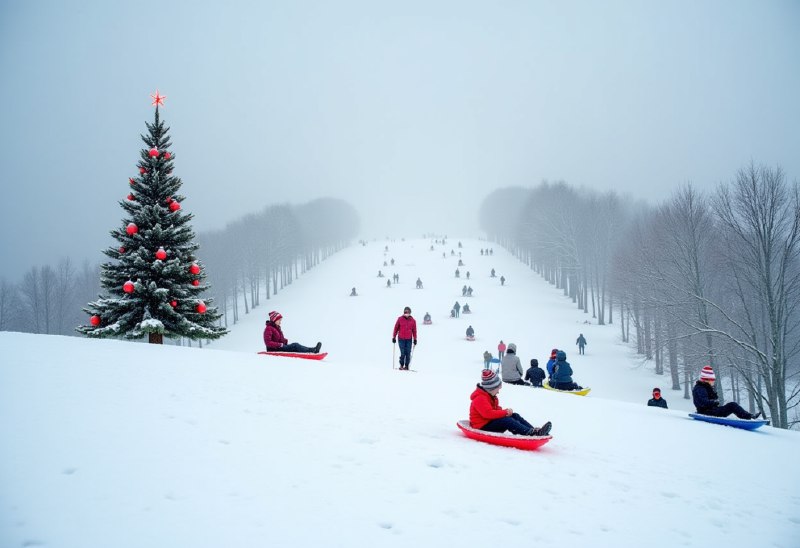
69, 471
385, 525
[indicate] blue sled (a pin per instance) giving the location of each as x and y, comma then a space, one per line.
736, 423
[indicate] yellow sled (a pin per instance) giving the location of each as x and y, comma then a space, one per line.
581, 392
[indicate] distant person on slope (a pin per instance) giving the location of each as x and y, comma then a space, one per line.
405, 334
457, 308
486, 414
276, 342
581, 342
470, 333
535, 374
501, 349
353, 292
707, 402
562, 374
502, 280
511, 367
427, 318
466, 309
657, 400
487, 358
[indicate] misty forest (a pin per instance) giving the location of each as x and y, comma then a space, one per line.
700, 278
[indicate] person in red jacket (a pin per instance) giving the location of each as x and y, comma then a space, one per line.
485, 412
276, 342
501, 349
405, 329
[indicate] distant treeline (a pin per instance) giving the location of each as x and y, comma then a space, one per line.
251, 258
701, 279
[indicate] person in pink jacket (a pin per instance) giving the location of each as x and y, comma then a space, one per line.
405, 330
501, 350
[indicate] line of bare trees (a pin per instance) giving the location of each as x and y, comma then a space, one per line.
697, 280
251, 258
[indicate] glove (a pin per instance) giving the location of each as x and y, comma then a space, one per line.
394, 341
415, 342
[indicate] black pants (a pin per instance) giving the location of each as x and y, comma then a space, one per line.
293, 347
727, 409
518, 381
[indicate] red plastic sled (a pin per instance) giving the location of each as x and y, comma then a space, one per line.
427, 322
526, 443
303, 355
470, 338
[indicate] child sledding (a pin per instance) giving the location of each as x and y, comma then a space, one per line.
561, 379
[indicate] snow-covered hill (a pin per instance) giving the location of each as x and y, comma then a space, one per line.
108, 443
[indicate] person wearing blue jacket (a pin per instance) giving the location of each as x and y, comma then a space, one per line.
551, 363
562, 374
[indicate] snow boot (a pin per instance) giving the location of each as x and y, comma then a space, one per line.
317, 347
544, 430
755, 416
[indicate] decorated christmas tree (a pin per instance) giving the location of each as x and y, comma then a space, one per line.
155, 279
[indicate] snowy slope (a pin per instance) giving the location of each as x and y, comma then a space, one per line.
109, 443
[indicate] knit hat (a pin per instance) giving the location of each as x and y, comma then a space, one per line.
707, 374
534, 362
512, 348
490, 380
553, 352
274, 316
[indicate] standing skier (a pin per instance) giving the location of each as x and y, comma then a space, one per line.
405, 329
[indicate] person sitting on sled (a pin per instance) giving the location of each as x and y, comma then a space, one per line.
419, 283
551, 363
707, 402
657, 400
470, 333
353, 292
426, 317
466, 309
486, 414
535, 374
512, 367
562, 374
276, 342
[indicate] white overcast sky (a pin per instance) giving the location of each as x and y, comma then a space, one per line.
413, 111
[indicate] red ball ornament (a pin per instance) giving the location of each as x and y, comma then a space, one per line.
173, 304
161, 254
195, 282
95, 320
122, 250
131, 229
195, 268
127, 287
142, 170
153, 152
167, 155
201, 307
130, 180
174, 206
131, 197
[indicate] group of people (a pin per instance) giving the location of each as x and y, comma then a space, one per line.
466, 291
559, 370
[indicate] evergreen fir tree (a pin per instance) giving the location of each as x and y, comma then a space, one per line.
155, 279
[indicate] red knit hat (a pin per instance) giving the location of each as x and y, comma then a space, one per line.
707, 374
274, 316
490, 380
553, 352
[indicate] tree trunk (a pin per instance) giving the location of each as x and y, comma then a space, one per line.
156, 338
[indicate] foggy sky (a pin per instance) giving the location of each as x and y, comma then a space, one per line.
412, 111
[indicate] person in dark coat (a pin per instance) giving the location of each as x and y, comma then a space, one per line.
470, 332
657, 400
405, 329
353, 292
551, 363
581, 342
276, 342
535, 374
562, 374
457, 308
707, 402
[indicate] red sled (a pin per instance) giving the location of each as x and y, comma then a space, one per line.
526, 443
304, 355
470, 338
427, 322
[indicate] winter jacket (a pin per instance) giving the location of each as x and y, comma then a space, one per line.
660, 402
581, 341
484, 408
470, 332
535, 375
273, 336
501, 347
562, 372
405, 328
705, 397
511, 368
551, 363
487, 356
